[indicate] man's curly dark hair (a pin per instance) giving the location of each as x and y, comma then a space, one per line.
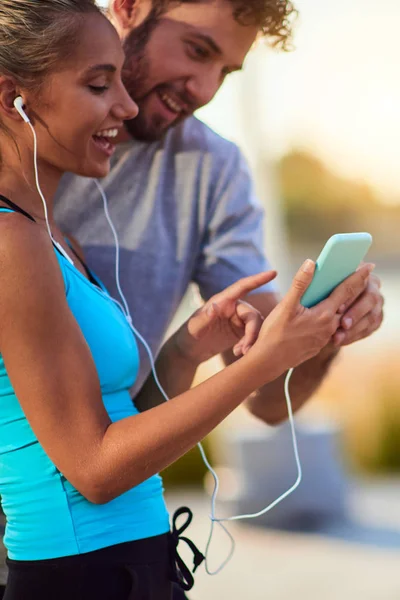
274, 18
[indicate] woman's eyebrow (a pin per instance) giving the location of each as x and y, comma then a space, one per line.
108, 68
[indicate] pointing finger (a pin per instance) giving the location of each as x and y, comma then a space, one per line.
245, 285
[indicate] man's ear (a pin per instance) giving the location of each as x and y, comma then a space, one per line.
128, 14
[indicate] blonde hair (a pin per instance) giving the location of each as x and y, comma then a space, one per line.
37, 34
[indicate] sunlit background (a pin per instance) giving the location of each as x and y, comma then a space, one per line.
320, 129
337, 94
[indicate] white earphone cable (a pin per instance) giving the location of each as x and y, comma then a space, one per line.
213, 518
39, 189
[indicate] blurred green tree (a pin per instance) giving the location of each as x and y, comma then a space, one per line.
317, 202
189, 470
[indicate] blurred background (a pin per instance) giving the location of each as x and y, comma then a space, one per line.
320, 129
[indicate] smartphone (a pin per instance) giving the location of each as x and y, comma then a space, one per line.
340, 257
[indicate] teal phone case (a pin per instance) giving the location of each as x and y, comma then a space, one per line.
339, 258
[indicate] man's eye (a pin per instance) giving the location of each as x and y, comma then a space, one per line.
98, 89
199, 51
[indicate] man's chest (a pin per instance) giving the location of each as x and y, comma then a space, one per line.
155, 206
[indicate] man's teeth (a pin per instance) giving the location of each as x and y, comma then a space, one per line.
171, 103
108, 133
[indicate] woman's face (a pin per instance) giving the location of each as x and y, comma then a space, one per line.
82, 106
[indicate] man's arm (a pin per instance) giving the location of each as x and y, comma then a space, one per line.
233, 248
269, 403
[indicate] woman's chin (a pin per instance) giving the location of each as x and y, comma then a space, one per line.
95, 171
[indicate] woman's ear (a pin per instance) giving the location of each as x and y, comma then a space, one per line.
128, 14
8, 93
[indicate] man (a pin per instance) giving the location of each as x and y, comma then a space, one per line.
181, 196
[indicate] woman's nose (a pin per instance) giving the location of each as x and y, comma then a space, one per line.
126, 107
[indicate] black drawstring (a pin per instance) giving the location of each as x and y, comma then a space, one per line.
181, 573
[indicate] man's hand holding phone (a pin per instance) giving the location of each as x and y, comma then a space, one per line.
294, 333
363, 317
340, 257
345, 305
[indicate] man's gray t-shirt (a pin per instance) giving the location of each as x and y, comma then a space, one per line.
185, 211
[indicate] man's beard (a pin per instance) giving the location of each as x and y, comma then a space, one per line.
135, 76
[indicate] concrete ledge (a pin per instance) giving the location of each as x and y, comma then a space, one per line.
266, 468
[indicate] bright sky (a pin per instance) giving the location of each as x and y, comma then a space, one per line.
338, 94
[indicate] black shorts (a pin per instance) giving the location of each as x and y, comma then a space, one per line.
148, 569
177, 592
139, 570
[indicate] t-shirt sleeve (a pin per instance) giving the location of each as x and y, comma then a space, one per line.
233, 242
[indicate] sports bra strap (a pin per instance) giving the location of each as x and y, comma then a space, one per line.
88, 271
16, 208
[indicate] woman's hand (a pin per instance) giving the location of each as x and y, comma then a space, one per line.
292, 334
224, 322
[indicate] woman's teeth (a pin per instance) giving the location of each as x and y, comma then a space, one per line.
108, 133
174, 106
105, 140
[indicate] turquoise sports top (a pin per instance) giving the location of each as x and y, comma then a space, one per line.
46, 516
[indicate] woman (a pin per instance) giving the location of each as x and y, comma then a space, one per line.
78, 463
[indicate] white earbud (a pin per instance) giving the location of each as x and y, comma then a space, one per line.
19, 105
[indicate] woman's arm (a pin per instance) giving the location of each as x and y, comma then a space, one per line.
55, 380
54, 377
